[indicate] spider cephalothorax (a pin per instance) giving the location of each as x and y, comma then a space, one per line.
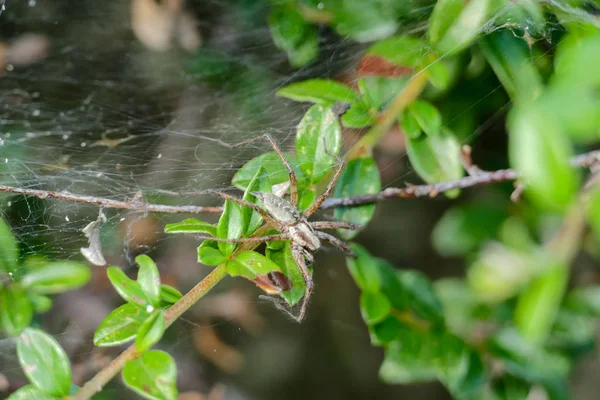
283, 215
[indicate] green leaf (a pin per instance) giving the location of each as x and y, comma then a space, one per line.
230, 226
209, 254
360, 176
169, 294
283, 258
16, 311
378, 92
293, 35
318, 91
374, 307
409, 125
307, 197
318, 128
510, 59
359, 115
40, 302
191, 225
463, 229
44, 362
276, 171
364, 269
585, 300
9, 250
151, 331
149, 279
30, 392
365, 22
130, 290
427, 115
57, 277
540, 152
251, 219
153, 375
464, 29
405, 51
120, 326
250, 264
443, 16
435, 158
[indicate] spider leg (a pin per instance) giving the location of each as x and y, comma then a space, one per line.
317, 203
298, 254
318, 225
340, 244
254, 239
243, 202
291, 173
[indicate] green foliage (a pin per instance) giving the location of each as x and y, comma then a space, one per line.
152, 376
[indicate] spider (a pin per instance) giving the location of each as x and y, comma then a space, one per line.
283, 215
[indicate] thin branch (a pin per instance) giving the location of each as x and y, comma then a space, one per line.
96, 384
135, 205
432, 190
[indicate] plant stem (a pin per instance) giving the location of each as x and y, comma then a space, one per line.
95, 384
433, 189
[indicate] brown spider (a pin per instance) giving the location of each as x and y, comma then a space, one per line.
283, 215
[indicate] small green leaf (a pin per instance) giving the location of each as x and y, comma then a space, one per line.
153, 375
57, 277
405, 51
386, 331
150, 331
130, 290
365, 22
364, 270
250, 264
378, 92
191, 225
30, 392
169, 294
284, 259
360, 176
318, 128
307, 197
275, 170
251, 219
435, 158
44, 362
427, 115
318, 91
16, 311
9, 250
585, 300
209, 254
464, 29
359, 115
540, 152
409, 125
149, 279
374, 307
230, 226
40, 302
293, 35
120, 326
444, 14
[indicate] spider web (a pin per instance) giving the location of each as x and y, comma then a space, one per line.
101, 114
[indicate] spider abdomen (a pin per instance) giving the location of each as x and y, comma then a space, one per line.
304, 235
281, 209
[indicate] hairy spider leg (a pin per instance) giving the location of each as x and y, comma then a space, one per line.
291, 173
340, 244
317, 203
318, 225
298, 254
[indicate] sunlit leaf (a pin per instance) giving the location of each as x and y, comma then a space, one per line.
374, 307
153, 375
16, 310
276, 171
359, 115
464, 28
427, 116
410, 126
250, 264
30, 392
9, 251
251, 219
44, 362
365, 23
319, 135
191, 225
120, 326
378, 92
150, 331
318, 91
169, 294
209, 254
130, 290
230, 226
56, 277
149, 279
360, 176
283, 258
444, 14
